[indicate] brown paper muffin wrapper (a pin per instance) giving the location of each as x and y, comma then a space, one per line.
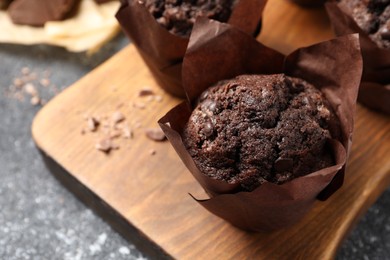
163, 51
215, 52
375, 90
309, 3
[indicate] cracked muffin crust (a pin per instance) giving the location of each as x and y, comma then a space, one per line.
178, 16
258, 128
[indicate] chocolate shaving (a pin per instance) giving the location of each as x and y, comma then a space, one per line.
117, 117
334, 67
155, 134
106, 145
139, 105
145, 92
92, 123
127, 132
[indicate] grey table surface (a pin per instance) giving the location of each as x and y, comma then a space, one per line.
40, 219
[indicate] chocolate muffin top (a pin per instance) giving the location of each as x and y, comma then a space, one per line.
179, 16
258, 128
373, 16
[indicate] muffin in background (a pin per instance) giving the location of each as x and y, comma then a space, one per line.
371, 19
160, 29
178, 16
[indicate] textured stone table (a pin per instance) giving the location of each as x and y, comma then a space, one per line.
39, 219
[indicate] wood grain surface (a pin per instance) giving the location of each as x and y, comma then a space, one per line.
149, 193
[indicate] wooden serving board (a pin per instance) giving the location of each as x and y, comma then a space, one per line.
145, 197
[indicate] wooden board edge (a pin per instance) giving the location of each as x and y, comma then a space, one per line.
128, 231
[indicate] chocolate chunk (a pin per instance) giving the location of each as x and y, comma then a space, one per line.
92, 124
104, 145
385, 32
208, 129
284, 164
37, 12
145, 92
155, 134
117, 117
209, 105
127, 132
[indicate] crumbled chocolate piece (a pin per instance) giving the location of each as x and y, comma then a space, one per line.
18, 82
105, 145
115, 134
117, 117
155, 134
145, 92
30, 89
93, 124
127, 133
35, 100
158, 98
44, 82
139, 105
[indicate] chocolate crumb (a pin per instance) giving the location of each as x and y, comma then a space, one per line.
115, 134
30, 89
18, 82
155, 134
158, 98
127, 133
45, 82
145, 92
117, 117
93, 124
104, 145
139, 105
137, 125
35, 100
25, 70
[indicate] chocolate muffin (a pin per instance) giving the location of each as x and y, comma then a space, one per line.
258, 128
178, 16
373, 17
